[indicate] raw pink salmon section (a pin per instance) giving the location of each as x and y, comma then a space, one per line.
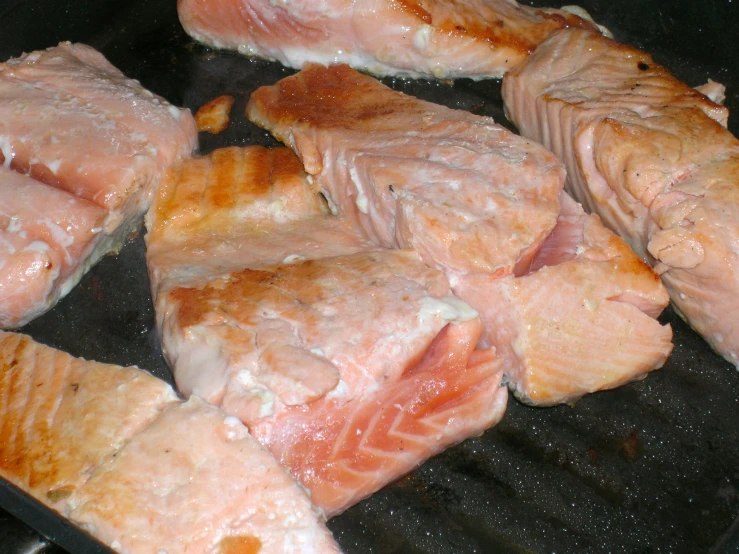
451, 394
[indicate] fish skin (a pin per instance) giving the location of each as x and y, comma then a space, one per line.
95, 144
352, 133
114, 450
300, 327
418, 38
652, 156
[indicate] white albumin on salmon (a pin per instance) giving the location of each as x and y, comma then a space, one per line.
48, 238
486, 207
75, 123
652, 157
430, 38
62, 417
115, 451
351, 363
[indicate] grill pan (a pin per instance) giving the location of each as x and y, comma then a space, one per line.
652, 467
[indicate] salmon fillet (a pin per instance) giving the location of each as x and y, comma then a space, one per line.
114, 450
77, 124
465, 193
48, 239
95, 132
310, 334
652, 156
439, 38
62, 417
484, 206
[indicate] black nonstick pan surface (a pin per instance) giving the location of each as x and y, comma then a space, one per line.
650, 467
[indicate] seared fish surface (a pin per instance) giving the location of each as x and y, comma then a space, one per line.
115, 451
418, 38
350, 362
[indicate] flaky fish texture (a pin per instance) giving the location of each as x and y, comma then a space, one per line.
115, 450
579, 319
465, 193
652, 157
350, 362
565, 302
95, 145
418, 38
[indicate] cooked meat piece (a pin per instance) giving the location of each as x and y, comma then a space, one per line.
114, 450
77, 124
484, 206
48, 239
649, 154
465, 193
432, 38
214, 116
351, 363
62, 417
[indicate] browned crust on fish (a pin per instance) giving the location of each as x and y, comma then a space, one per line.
214, 116
198, 193
244, 544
